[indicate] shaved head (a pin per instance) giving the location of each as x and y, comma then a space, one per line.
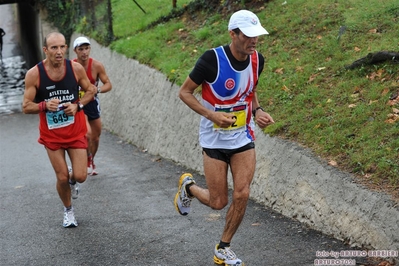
51, 35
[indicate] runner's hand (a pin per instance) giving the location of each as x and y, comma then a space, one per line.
52, 105
263, 119
223, 120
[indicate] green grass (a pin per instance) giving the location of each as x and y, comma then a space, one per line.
340, 114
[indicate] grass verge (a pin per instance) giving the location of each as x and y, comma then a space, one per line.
348, 117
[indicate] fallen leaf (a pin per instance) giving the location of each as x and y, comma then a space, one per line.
352, 105
271, 101
392, 102
312, 77
385, 91
357, 90
373, 31
332, 163
392, 119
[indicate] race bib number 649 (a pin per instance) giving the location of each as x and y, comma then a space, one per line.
59, 119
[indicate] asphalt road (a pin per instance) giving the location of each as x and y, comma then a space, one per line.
126, 214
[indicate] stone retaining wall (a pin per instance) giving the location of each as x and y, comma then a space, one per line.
144, 109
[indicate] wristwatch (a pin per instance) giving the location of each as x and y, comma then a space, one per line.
80, 106
256, 109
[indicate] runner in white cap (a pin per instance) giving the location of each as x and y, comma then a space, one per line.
229, 109
95, 71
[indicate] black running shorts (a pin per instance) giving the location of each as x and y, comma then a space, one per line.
225, 154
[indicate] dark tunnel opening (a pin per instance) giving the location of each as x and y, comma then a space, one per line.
28, 32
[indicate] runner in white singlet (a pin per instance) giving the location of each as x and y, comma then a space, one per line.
229, 110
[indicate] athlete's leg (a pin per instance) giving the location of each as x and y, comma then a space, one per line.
57, 160
95, 126
88, 134
216, 194
78, 159
242, 168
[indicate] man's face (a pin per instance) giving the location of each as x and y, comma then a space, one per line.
83, 52
55, 49
243, 44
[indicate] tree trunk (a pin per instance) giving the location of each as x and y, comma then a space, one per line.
375, 58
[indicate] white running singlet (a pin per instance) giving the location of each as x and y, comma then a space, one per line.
232, 91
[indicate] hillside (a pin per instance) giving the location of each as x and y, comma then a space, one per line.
346, 116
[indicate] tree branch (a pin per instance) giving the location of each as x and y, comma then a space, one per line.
375, 58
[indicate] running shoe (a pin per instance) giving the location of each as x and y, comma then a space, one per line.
89, 165
182, 199
93, 168
225, 256
69, 171
74, 190
69, 219
74, 187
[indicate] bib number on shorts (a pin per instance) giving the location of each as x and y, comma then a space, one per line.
59, 119
239, 110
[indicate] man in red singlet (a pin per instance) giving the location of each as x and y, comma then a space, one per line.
95, 71
51, 90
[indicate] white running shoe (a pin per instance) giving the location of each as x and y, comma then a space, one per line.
74, 187
182, 199
225, 256
69, 219
93, 168
89, 165
74, 190
69, 171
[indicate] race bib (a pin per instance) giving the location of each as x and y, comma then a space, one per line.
58, 119
239, 110
81, 93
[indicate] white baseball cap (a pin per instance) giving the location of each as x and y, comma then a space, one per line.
247, 22
79, 41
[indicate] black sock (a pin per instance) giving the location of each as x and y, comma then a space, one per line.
223, 244
188, 190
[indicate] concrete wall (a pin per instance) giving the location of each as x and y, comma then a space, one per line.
143, 108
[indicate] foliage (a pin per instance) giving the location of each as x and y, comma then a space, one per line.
59, 13
96, 20
348, 117
70, 16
